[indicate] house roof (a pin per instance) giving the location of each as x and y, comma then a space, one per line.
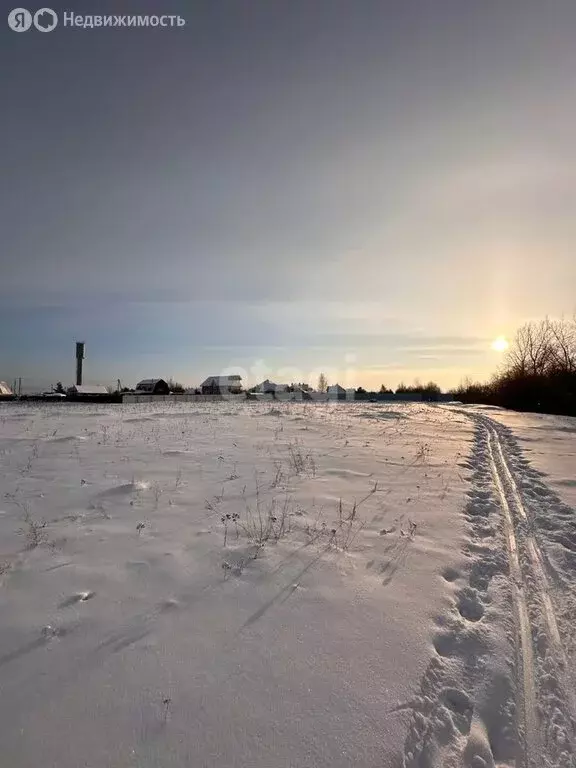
145, 383
89, 389
336, 388
4, 388
271, 386
221, 381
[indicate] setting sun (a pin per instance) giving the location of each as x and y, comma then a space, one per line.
500, 344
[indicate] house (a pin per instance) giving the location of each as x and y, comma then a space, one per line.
88, 390
152, 387
222, 385
270, 388
5, 391
336, 392
92, 393
303, 393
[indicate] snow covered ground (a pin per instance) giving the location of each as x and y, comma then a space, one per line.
348, 584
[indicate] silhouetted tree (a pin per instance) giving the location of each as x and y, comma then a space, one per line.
322, 383
175, 386
431, 391
539, 372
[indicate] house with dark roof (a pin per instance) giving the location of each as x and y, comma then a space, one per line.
222, 385
152, 387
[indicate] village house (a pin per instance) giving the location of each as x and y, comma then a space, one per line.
152, 387
336, 392
268, 387
222, 385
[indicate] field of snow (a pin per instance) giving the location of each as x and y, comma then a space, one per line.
306, 585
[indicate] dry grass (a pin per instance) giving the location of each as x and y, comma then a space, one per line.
422, 453
33, 530
299, 460
265, 520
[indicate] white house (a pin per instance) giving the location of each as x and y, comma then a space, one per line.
5, 390
336, 392
270, 388
89, 390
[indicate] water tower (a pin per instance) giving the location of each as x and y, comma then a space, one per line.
79, 359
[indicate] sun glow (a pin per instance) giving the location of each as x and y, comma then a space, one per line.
500, 344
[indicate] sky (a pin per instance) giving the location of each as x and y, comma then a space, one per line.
373, 189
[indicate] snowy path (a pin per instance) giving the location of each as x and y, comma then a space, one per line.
539, 703
546, 663
526, 698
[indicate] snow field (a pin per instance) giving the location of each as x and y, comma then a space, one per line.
291, 584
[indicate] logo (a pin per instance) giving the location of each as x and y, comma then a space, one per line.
20, 20
45, 20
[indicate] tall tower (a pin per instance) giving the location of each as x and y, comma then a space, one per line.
79, 359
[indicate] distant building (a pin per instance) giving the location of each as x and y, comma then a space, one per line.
88, 390
270, 388
5, 391
152, 387
222, 385
336, 392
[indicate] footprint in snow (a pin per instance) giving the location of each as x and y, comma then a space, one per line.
79, 597
450, 574
460, 705
470, 606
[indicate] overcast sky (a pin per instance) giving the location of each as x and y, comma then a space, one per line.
372, 188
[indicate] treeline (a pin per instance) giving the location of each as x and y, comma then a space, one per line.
430, 391
539, 373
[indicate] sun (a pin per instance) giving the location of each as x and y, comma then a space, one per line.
500, 344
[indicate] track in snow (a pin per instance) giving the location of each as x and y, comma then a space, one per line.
468, 713
527, 704
548, 725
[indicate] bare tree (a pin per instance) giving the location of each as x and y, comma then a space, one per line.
538, 374
531, 351
563, 338
543, 348
322, 383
